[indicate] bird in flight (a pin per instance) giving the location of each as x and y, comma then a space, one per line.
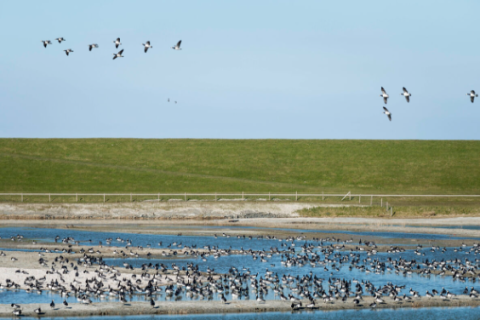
472, 95
406, 94
46, 42
147, 45
118, 55
384, 95
177, 46
60, 39
92, 46
388, 113
68, 51
117, 43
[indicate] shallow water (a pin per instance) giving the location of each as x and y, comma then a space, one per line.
398, 314
224, 263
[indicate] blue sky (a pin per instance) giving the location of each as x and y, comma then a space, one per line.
248, 69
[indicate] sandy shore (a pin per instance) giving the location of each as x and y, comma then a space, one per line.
239, 306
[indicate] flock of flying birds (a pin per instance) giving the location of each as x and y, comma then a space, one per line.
407, 96
117, 43
147, 45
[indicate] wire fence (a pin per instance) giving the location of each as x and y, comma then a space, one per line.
368, 199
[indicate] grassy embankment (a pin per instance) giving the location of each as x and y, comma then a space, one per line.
308, 166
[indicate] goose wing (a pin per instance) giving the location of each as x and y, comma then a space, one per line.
383, 90
179, 43
120, 52
472, 98
390, 116
146, 49
385, 109
408, 98
385, 99
405, 90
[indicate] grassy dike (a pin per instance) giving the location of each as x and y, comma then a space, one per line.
176, 165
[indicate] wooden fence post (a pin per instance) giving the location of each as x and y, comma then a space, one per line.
371, 200
243, 196
76, 197
269, 196
104, 198
130, 197
215, 196
381, 202
49, 197
185, 196
296, 195
22, 197
359, 198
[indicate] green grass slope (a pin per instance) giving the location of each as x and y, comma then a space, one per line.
142, 165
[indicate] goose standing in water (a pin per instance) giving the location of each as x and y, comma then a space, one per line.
68, 51
384, 95
46, 42
147, 46
60, 39
117, 43
406, 94
388, 113
472, 95
177, 46
92, 46
118, 55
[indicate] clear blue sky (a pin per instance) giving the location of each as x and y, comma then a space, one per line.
248, 69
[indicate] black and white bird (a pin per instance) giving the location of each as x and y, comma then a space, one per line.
117, 43
177, 46
384, 95
472, 95
68, 51
152, 303
118, 55
65, 303
406, 94
38, 310
92, 46
46, 42
60, 39
147, 46
388, 113
17, 312
52, 304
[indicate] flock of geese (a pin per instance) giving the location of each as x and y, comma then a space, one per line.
147, 45
94, 279
407, 96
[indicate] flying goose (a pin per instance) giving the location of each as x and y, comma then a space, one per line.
46, 42
388, 113
406, 94
147, 45
472, 95
68, 51
117, 42
92, 46
118, 55
60, 39
177, 46
384, 95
